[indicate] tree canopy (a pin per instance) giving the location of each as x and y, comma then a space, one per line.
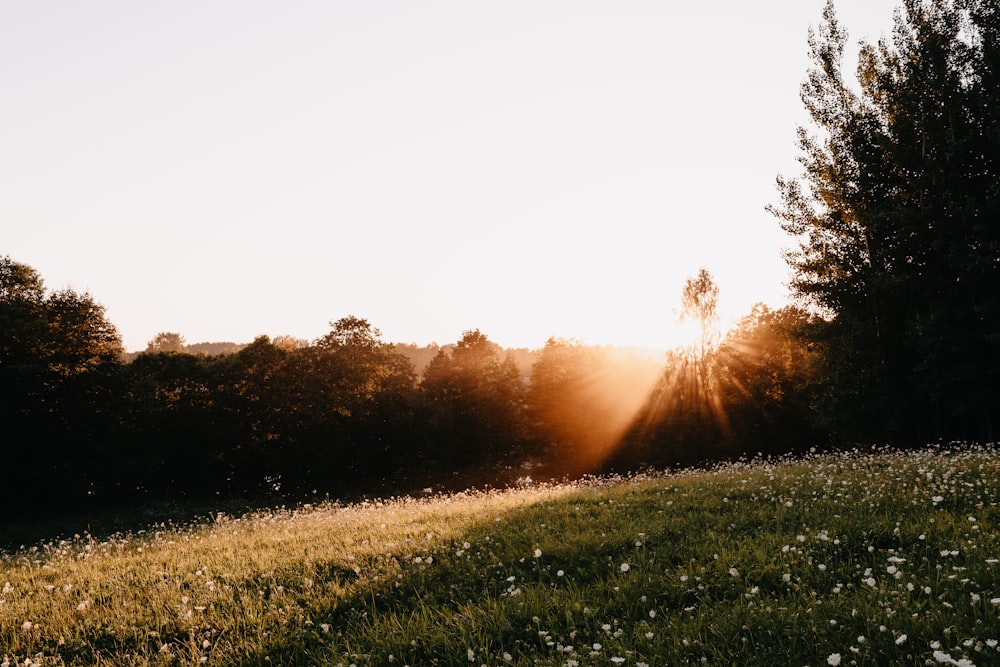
897, 222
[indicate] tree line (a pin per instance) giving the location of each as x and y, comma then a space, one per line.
893, 336
350, 411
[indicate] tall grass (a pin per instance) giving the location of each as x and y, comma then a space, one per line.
867, 558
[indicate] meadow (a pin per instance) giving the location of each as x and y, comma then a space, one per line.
853, 558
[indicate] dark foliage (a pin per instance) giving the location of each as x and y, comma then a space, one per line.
347, 413
897, 216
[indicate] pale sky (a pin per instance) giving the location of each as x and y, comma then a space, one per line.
226, 169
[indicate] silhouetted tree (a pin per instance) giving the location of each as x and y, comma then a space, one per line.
582, 399
700, 303
896, 220
750, 392
768, 372
475, 403
372, 392
23, 335
58, 358
166, 341
178, 438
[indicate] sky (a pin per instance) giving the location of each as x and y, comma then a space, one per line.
528, 168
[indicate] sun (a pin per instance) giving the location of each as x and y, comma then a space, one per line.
687, 335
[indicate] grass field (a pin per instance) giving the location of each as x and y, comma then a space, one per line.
866, 558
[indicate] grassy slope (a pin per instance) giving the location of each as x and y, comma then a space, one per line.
866, 559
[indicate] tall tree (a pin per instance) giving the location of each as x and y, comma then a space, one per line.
700, 303
58, 357
475, 402
371, 393
23, 336
897, 219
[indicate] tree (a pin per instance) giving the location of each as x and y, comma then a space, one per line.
475, 402
767, 370
23, 331
699, 302
177, 425
582, 399
49, 338
23, 336
58, 357
166, 341
371, 387
19, 283
895, 218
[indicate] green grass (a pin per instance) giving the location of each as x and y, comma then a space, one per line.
863, 558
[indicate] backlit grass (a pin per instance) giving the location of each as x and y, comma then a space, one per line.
861, 558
